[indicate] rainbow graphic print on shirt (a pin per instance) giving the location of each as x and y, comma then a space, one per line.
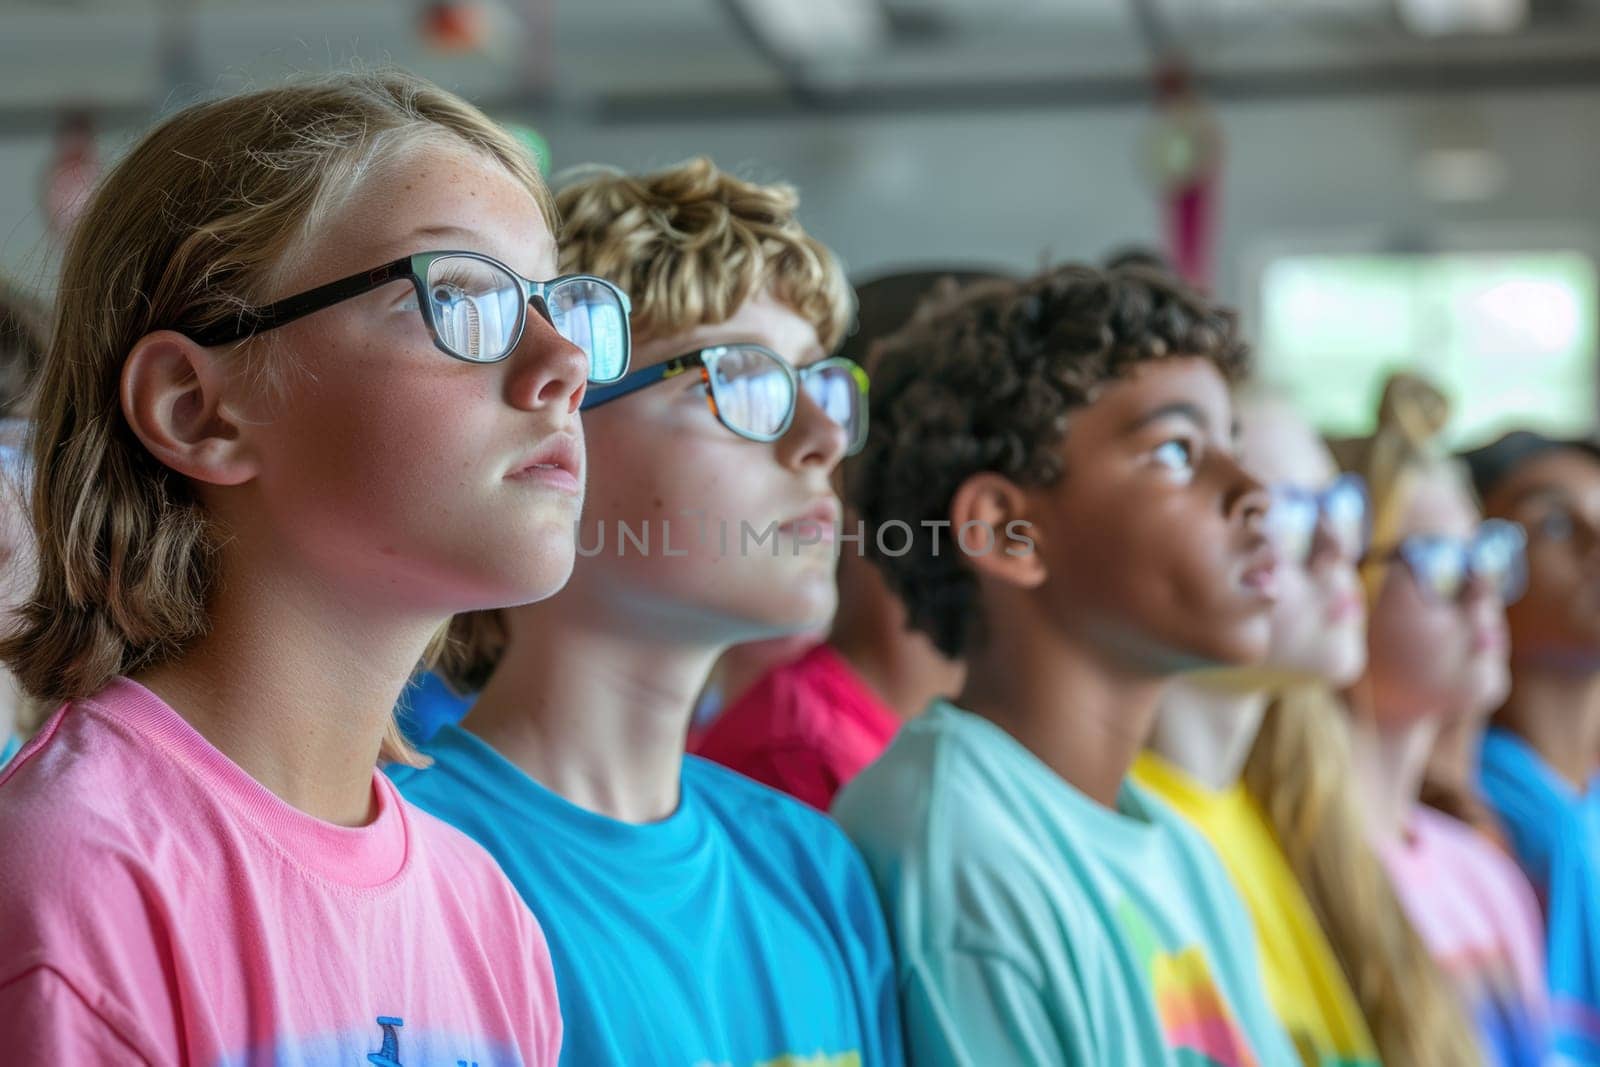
1195, 1019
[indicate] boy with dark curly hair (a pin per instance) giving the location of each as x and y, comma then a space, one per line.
1044, 909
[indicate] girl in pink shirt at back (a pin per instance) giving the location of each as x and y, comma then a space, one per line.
280, 442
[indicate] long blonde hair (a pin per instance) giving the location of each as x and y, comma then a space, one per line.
1299, 771
197, 223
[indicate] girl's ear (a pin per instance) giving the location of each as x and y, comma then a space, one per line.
179, 401
991, 524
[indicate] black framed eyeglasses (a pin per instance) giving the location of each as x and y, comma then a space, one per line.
474, 306
1443, 566
1339, 512
753, 391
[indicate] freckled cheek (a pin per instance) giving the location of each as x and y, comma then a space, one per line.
658, 476
381, 447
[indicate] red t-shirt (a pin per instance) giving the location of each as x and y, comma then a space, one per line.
805, 728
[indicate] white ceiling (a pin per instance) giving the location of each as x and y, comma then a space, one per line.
683, 57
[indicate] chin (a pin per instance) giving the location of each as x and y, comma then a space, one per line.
538, 574
797, 612
1238, 646
1490, 693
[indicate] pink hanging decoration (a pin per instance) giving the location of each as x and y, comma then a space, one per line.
70, 177
1186, 158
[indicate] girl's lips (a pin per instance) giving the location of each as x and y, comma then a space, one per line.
1344, 608
1260, 576
821, 521
557, 478
557, 464
1492, 640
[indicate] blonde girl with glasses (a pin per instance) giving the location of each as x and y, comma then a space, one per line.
1437, 579
252, 524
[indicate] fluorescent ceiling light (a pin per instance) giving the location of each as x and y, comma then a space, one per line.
1437, 18
817, 29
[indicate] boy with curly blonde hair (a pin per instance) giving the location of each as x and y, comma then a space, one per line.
693, 916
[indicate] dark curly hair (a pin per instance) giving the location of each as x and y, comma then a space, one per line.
988, 382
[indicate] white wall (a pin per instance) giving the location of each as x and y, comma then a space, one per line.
1009, 188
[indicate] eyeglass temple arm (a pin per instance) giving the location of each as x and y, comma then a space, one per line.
639, 379
257, 320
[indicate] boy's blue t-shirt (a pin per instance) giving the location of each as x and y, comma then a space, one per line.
10, 747
742, 930
426, 704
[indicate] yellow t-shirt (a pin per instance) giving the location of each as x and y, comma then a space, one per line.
1308, 989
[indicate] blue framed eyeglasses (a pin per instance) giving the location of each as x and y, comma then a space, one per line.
753, 391
1339, 512
1444, 567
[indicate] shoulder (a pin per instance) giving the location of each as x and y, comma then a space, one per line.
461, 871
1473, 857
96, 880
465, 783
1185, 841
445, 824
1210, 889
77, 804
959, 850
759, 815
790, 847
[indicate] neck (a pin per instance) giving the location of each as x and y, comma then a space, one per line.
1206, 729
870, 632
902, 668
1558, 714
11, 698
1453, 763
297, 687
1082, 715
595, 709
1389, 764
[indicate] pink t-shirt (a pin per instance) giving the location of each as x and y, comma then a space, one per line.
805, 728
159, 906
1477, 914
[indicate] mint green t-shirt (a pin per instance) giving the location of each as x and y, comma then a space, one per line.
1033, 926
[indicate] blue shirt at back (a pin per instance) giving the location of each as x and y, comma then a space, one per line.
741, 930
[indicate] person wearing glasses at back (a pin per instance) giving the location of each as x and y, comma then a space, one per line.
304, 403
694, 916
1541, 757
1210, 720
1437, 578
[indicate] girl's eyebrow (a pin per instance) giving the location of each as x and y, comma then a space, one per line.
444, 230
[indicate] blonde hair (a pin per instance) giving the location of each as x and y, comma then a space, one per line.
200, 221
692, 243
1299, 771
689, 244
